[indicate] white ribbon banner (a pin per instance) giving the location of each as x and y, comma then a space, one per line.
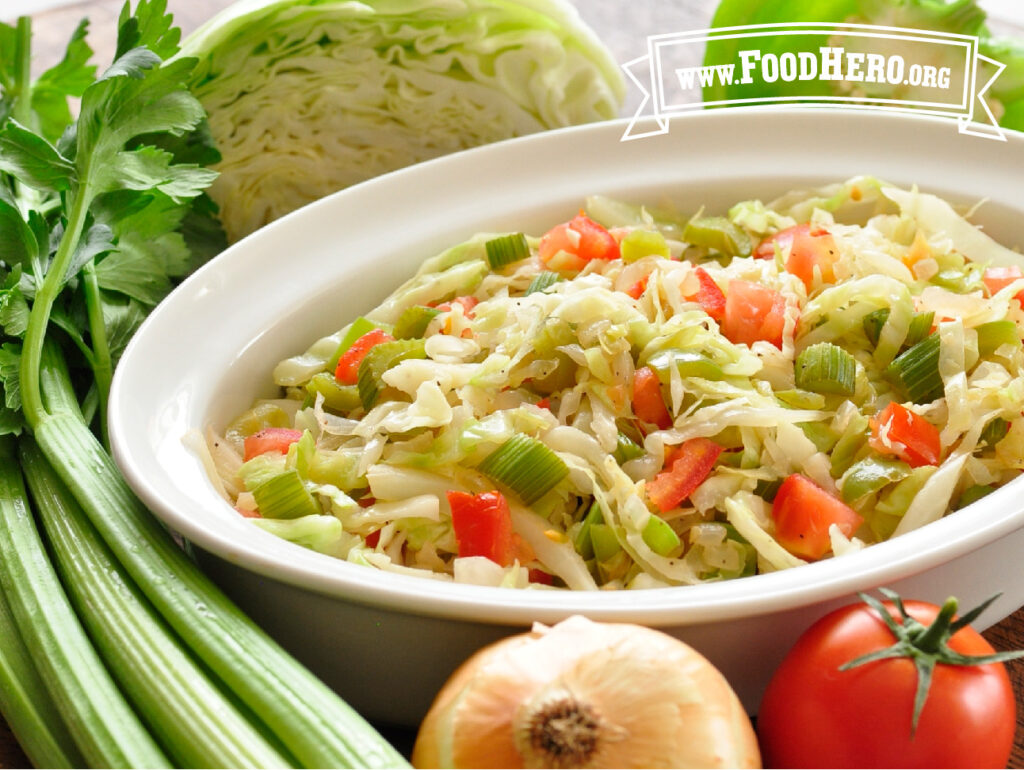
856, 65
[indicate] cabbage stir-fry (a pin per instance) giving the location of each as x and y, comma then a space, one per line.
641, 399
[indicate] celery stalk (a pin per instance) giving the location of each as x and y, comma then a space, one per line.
26, 705
309, 720
195, 721
101, 721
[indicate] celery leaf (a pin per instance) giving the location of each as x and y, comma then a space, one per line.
33, 160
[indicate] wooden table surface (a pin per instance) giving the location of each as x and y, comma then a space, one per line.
624, 27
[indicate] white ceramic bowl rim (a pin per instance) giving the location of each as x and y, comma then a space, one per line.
134, 449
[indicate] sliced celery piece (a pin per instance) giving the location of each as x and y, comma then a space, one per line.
920, 327
413, 322
606, 544
626, 449
553, 334
973, 494
826, 368
820, 434
749, 566
337, 397
994, 334
916, 371
616, 568
659, 536
506, 250
284, 496
563, 376
870, 475
263, 415
687, 363
767, 489
526, 466
542, 281
994, 431
850, 443
378, 360
959, 281
582, 542
643, 243
873, 323
800, 399
718, 234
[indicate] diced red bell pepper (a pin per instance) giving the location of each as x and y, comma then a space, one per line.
570, 245
483, 526
803, 513
540, 576
373, 538
270, 440
709, 296
808, 247
686, 468
648, 403
752, 313
468, 302
898, 431
347, 371
638, 288
996, 278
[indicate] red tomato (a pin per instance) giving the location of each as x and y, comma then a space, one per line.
814, 715
996, 278
753, 312
270, 440
898, 431
483, 526
709, 296
686, 467
569, 246
808, 247
347, 371
648, 403
803, 512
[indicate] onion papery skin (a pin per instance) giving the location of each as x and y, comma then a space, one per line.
659, 703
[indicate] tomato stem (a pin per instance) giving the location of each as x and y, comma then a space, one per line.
926, 646
934, 636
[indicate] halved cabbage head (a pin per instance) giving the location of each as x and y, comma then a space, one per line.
306, 97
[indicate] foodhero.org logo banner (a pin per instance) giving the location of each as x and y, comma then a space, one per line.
854, 65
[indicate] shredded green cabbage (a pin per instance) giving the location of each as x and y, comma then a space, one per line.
564, 365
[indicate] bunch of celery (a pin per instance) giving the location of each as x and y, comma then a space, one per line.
115, 650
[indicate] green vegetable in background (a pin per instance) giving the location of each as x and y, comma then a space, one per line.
1005, 97
306, 97
147, 663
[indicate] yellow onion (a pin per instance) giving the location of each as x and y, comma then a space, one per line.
586, 694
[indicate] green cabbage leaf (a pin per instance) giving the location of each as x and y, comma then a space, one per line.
307, 97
